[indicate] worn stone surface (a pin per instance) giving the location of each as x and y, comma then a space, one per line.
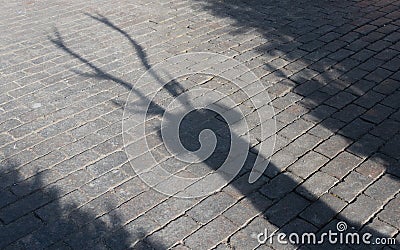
331, 69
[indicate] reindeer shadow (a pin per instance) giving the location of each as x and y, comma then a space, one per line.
277, 184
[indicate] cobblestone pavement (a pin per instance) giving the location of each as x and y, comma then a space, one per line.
66, 68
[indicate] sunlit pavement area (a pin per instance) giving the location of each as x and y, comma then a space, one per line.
331, 69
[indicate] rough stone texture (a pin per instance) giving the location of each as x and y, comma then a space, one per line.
331, 69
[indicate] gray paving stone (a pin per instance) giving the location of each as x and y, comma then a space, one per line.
170, 209
386, 129
340, 100
107, 163
209, 208
295, 129
342, 58
365, 146
341, 165
371, 168
318, 215
356, 128
308, 164
384, 189
286, 209
369, 99
360, 210
211, 234
333, 146
307, 141
280, 160
240, 213
280, 185
352, 186
349, 113
390, 147
318, 184
138, 228
7, 198
23, 206
391, 213
297, 226
247, 237
104, 183
175, 231
19, 228
377, 114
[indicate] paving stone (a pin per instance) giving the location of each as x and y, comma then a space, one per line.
211, 207
7, 198
333, 146
280, 185
247, 237
352, 185
279, 162
95, 208
379, 229
371, 168
391, 213
175, 231
286, 209
377, 114
295, 129
138, 228
361, 210
130, 188
60, 208
340, 100
387, 86
356, 128
365, 146
384, 188
211, 234
387, 129
308, 164
332, 226
104, 183
23, 206
341, 165
320, 113
71, 182
378, 75
307, 141
323, 210
297, 226
392, 100
18, 229
241, 212
63, 96
369, 99
390, 148
170, 209
349, 113
107, 163
292, 113
318, 184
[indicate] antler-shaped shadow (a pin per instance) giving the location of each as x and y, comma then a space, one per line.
100, 74
174, 89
